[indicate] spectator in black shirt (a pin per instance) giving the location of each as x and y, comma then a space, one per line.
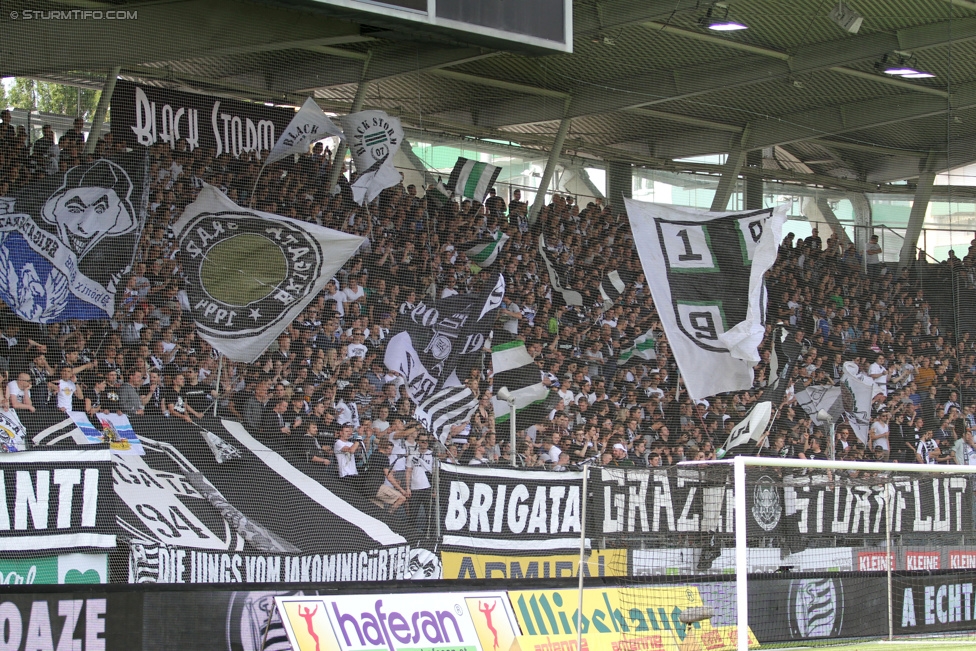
175, 401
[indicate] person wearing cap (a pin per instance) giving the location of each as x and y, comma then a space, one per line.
620, 455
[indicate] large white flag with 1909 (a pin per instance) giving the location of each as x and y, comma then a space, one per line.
705, 271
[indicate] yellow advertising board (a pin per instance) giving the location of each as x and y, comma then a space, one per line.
610, 562
616, 619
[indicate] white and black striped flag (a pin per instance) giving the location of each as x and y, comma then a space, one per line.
471, 179
615, 283
446, 408
515, 370
436, 345
558, 277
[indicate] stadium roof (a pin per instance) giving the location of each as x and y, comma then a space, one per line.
646, 82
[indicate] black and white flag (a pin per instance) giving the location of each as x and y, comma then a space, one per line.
250, 273
374, 139
814, 398
558, 278
615, 283
705, 272
309, 125
446, 408
436, 345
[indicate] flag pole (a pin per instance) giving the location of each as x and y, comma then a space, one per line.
220, 367
254, 188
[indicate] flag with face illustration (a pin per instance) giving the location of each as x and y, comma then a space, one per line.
67, 240
705, 271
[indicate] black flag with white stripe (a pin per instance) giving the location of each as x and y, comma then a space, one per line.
446, 408
558, 278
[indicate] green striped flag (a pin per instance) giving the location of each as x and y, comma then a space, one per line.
643, 348
472, 179
483, 253
515, 370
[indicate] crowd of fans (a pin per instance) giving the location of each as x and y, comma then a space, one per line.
322, 395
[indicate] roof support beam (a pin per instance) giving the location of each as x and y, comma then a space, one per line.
554, 154
730, 174
733, 72
923, 192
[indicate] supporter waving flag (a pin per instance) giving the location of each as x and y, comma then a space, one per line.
484, 252
515, 370
435, 346
558, 274
250, 273
309, 125
374, 139
705, 272
471, 179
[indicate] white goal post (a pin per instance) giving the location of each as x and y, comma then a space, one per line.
741, 463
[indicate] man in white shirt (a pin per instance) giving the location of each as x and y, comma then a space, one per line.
878, 435
879, 374
19, 393
355, 294
510, 315
67, 389
345, 452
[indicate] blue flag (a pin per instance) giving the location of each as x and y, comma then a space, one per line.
66, 241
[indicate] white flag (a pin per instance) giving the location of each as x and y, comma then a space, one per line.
250, 273
374, 138
705, 271
751, 427
857, 391
309, 125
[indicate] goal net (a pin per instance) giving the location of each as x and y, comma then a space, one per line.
798, 551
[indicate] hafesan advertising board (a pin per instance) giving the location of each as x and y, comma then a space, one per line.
450, 621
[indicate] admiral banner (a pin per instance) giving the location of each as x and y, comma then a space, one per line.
608, 562
469, 621
145, 115
59, 500
509, 510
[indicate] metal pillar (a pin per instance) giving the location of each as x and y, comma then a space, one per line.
923, 192
730, 174
863, 223
554, 154
754, 180
828, 214
620, 184
98, 119
357, 106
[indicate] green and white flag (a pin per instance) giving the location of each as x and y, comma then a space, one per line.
515, 370
643, 348
472, 179
484, 252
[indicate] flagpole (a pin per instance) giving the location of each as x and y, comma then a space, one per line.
254, 189
220, 367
